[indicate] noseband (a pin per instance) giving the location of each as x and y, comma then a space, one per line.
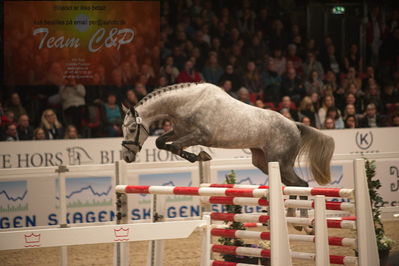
136, 142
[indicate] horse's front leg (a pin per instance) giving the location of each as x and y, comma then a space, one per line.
177, 147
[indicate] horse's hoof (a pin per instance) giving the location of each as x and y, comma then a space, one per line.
204, 156
309, 230
298, 227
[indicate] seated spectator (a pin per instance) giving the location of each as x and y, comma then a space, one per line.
169, 70
14, 105
351, 121
353, 58
372, 95
162, 82
290, 106
350, 110
395, 120
243, 95
333, 113
328, 101
306, 121
330, 61
286, 113
166, 127
252, 79
71, 132
315, 101
371, 118
140, 90
49, 122
73, 101
291, 85
350, 98
11, 133
131, 98
39, 134
329, 123
189, 74
279, 60
227, 87
260, 104
25, 130
307, 109
272, 83
112, 117
352, 76
297, 61
212, 70
95, 90
389, 99
314, 84
370, 73
229, 74
310, 65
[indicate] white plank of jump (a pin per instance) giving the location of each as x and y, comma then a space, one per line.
97, 234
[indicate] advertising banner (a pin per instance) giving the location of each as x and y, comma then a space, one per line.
48, 41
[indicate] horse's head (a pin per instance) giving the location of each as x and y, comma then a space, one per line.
134, 134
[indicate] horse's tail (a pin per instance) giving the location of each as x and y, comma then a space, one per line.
319, 148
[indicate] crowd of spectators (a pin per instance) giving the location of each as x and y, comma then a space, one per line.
255, 54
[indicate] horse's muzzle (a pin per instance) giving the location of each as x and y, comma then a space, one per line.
128, 156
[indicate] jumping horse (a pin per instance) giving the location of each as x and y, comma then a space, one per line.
204, 114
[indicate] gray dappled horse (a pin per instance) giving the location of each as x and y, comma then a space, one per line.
203, 114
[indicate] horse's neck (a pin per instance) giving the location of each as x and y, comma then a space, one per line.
160, 107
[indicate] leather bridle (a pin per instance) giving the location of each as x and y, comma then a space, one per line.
136, 142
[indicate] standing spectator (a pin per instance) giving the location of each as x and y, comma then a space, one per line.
73, 101
328, 101
39, 134
229, 74
311, 64
350, 121
188, 74
25, 131
333, 113
291, 85
290, 106
113, 117
212, 70
71, 132
252, 80
371, 118
14, 105
53, 128
374, 33
353, 59
306, 109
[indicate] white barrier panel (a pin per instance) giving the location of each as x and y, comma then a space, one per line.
88, 151
97, 234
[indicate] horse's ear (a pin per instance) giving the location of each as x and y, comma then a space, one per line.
124, 108
132, 110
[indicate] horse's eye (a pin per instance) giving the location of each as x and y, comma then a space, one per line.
132, 130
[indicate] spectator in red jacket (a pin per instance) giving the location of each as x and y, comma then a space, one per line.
189, 74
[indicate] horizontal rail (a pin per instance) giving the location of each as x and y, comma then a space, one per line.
330, 205
265, 253
97, 234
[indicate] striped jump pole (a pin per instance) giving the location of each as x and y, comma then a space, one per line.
266, 253
260, 218
232, 233
193, 191
297, 191
309, 204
